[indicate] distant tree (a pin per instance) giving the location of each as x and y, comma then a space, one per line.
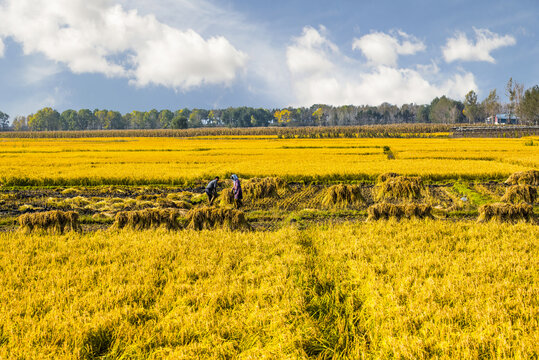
514, 92
86, 119
69, 120
317, 114
196, 117
472, 110
20, 123
45, 119
165, 118
151, 119
137, 119
213, 118
4, 121
446, 111
260, 117
422, 115
530, 106
114, 120
491, 105
101, 118
179, 121
282, 116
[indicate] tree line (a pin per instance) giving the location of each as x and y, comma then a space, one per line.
441, 110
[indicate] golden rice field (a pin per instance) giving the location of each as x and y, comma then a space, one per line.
311, 275
407, 290
94, 161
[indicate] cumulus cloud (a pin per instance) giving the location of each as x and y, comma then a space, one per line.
338, 80
100, 37
383, 49
462, 48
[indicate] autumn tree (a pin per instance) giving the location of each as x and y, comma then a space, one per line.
165, 118
20, 123
472, 110
491, 105
45, 119
317, 114
515, 93
4, 123
530, 106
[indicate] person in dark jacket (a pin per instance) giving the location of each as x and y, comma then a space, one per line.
238, 194
211, 189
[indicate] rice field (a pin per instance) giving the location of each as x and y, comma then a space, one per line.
412, 290
109, 250
177, 161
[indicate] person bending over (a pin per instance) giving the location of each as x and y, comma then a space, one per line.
211, 189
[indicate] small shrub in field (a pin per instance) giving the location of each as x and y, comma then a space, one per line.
530, 177
343, 196
400, 187
257, 188
56, 220
211, 217
505, 212
147, 219
387, 211
520, 193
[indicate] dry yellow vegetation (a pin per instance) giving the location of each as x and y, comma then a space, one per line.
95, 161
414, 289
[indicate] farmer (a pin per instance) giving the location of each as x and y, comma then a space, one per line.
211, 189
238, 194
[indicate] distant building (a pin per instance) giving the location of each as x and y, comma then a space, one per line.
502, 119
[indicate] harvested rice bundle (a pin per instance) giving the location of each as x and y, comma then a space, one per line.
419, 211
147, 219
505, 212
383, 177
384, 211
520, 193
388, 210
211, 217
164, 203
257, 188
343, 196
530, 177
400, 187
56, 220
226, 197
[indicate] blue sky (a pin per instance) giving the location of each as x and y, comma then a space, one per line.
137, 55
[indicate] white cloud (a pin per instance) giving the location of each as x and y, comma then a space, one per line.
266, 78
308, 56
383, 49
100, 37
462, 48
337, 80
